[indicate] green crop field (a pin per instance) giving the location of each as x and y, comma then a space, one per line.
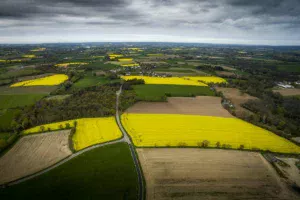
18, 100
159, 92
90, 81
18, 73
103, 173
6, 117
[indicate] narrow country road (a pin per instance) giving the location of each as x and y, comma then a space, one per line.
131, 147
125, 138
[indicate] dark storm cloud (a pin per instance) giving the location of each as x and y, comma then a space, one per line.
35, 8
211, 18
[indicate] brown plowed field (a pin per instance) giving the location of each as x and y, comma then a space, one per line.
237, 98
209, 174
34, 153
288, 92
201, 105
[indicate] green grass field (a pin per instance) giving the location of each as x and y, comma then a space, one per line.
90, 81
18, 73
18, 100
159, 92
103, 173
6, 117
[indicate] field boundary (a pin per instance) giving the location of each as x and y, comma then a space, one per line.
57, 164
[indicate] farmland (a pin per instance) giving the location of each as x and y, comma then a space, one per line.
89, 131
237, 98
6, 118
50, 80
190, 130
90, 81
200, 105
209, 174
288, 92
18, 100
165, 81
159, 92
32, 154
105, 172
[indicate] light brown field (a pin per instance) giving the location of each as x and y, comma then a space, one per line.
201, 105
32, 154
224, 73
288, 92
209, 174
237, 98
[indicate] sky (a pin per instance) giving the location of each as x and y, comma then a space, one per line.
266, 22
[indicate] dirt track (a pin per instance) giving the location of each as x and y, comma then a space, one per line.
201, 105
32, 154
209, 174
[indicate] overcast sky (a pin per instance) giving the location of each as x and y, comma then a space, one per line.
274, 22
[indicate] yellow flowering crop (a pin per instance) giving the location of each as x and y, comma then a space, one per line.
207, 79
113, 56
130, 65
49, 80
2, 60
29, 56
89, 131
38, 49
190, 130
165, 80
125, 59
71, 63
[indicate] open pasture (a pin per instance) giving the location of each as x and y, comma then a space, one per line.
162, 130
189, 173
18, 100
165, 80
160, 92
200, 105
32, 154
49, 80
89, 131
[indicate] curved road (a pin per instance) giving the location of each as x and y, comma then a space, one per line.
132, 150
125, 138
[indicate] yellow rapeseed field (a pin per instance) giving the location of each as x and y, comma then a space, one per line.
165, 80
71, 63
38, 49
206, 79
130, 65
190, 130
89, 131
49, 80
2, 60
125, 59
113, 56
29, 56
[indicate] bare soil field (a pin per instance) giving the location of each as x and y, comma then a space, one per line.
186, 173
237, 98
34, 153
224, 73
291, 171
288, 92
200, 105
